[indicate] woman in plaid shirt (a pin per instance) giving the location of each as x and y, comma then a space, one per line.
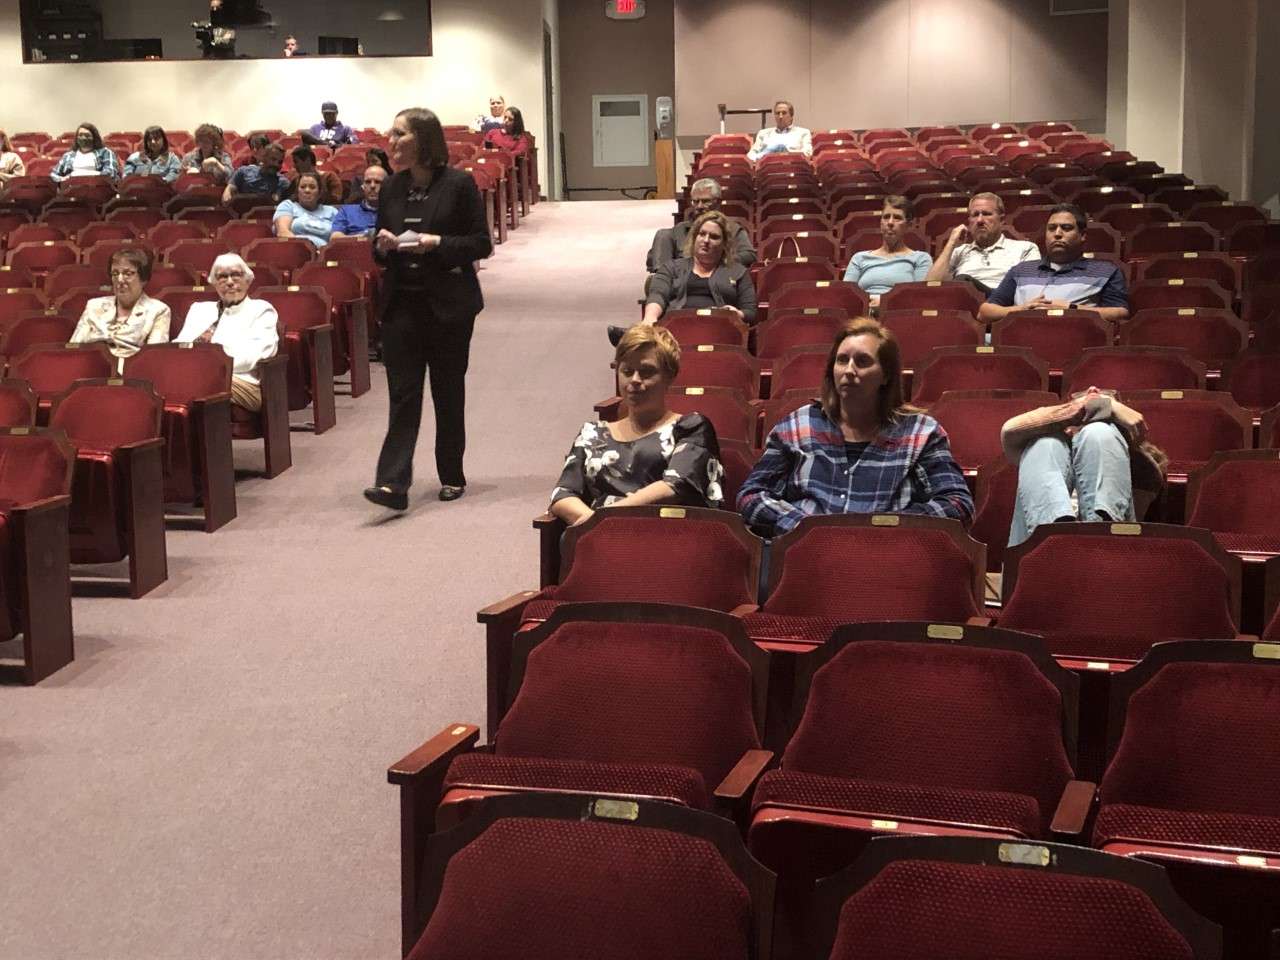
859, 450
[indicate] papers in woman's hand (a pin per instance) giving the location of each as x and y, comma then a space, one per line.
408, 240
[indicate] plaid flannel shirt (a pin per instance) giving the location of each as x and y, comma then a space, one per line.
805, 471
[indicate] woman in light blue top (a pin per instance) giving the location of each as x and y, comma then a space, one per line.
155, 159
893, 262
305, 216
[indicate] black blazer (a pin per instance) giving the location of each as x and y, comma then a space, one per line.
444, 277
731, 286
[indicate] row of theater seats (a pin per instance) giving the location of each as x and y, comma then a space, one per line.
815, 724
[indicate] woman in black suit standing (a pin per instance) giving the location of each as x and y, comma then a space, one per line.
431, 229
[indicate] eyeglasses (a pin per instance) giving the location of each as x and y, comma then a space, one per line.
123, 274
225, 277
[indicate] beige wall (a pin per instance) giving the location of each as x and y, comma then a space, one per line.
1265, 167
1153, 129
1217, 137
550, 144
481, 47
603, 56
889, 63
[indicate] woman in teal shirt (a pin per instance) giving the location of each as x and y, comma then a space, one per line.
305, 216
893, 262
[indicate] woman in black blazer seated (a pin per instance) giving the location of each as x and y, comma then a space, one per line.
706, 276
431, 229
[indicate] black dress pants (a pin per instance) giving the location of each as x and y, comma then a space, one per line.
417, 344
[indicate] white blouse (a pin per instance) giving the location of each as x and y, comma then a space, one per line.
147, 322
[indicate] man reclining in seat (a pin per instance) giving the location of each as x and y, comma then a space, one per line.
784, 136
978, 251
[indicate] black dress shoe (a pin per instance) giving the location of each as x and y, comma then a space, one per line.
388, 497
616, 333
448, 492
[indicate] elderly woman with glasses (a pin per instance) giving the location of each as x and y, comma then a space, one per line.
128, 318
245, 328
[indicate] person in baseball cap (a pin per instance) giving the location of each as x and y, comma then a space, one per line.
329, 132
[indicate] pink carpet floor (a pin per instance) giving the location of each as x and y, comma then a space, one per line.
208, 779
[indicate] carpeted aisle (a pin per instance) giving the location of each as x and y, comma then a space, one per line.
208, 778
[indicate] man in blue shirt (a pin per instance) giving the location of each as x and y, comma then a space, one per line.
264, 178
358, 219
329, 132
1064, 279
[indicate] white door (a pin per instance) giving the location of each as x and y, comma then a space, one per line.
621, 128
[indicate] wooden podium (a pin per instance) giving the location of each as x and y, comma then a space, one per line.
664, 161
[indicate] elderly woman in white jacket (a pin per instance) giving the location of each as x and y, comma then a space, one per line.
245, 328
128, 318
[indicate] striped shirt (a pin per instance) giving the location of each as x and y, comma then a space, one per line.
806, 470
1083, 282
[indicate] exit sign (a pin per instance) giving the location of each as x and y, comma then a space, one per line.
624, 9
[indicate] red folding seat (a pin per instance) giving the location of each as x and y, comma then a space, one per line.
1192, 425
806, 244
919, 331
196, 255
729, 411
1212, 336
1093, 200
1269, 429
926, 134
1066, 188
240, 233
1101, 239
283, 253
926, 204
973, 418
27, 332
1193, 265
1224, 215
1128, 171
1234, 496
1252, 382
18, 302
33, 233
1056, 336
786, 270
94, 190
1192, 787
777, 408
102, 230
194, 384
926, 568
1128, 217
1030, 222
692, 328
977, 368
38, 259
70, 220
791, 327
1048, 175
782, 161
809, 204
309, 344
17, 404
51, 369
1153, 183
75, 276
932, 295
1133, 368
165, 275
208, 198
1105, 592
995, 493
72, 303
793, 223
11, 218
738, 458
542, 872
1251, 239
970, 898
115, 508
211, 218
35, 585
1177, 237
99, 255
942, 729
924, 183
848, 297
717, 365
939, 223
251, 206
801, 368
1261, 302
1091, 157
1182, 199
141, 219
1177, 292
31, 192
353, 314
1017, 199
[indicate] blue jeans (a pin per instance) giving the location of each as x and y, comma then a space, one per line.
1094, 463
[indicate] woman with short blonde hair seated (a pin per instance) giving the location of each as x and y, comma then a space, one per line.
128, 318
706, 276
652, 455
860, 449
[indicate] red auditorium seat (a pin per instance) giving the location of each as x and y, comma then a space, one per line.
971, 898
1020, 198
794, 223
35, 586
211, 218
1093, 200
791, 327
705, 326
1177, 237
728, 410
99, 255
141, 219
1056, 336
717, 365
166, 233
194, 384
543, 873
932, 295
75, 276
995, 494
926, 568
104, 230
1224, 215
1250, 239
1209, 818
23, 334
770, 205
1218, 267
973, 418
352, 315
1128, 217
1192, 425
800, 368
1103, 592
39, 259
1129, 171
737, 457
1133, 368
945, 729
33, 233
1234, 496
1184, 198
1261, 303
305, 315
1252, 382
1214, 337
283, 253
240, 233
117, 510
18, 302
69, 219
17, 404
1152, 294
786, 270
919, 331
31, 192
805, 244
1031, 221
977, 368
196, 255
52, 369
1101, 238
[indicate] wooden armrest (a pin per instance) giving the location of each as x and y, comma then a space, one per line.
608, 409
157, 442
435, 754
546, 521
980, 621
1073, 809
504, 608
744, 609
741, 780
42, 506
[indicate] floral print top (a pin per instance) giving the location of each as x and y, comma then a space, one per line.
600, 470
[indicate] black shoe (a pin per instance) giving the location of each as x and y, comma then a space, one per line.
616, 333
448, 492
387, 497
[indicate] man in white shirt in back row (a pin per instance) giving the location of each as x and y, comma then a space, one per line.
978, 250
783, 137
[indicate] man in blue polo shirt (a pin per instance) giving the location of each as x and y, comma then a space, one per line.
358, 219
260, 178
1063, 279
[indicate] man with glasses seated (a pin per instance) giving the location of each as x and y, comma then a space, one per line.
245, 328
358, 219
128, 318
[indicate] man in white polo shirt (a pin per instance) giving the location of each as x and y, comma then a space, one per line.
784, 136
978, 250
